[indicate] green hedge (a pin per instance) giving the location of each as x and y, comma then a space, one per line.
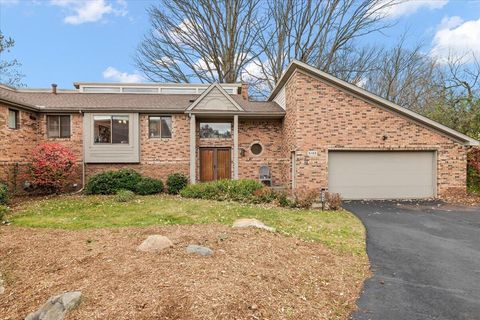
176, 182
3, 193
110, 182
148, 186
236, 190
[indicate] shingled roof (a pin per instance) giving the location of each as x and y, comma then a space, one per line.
74, 101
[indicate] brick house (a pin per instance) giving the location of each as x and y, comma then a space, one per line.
315, 131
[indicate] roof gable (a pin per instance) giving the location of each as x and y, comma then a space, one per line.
364, 94
215, 98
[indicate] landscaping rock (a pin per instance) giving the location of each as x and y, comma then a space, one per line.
203, 251
155, 243
57, 307
247, 223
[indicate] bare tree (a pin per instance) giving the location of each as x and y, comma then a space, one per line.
322, 33
200, 40
458, 104
9, 73
463, 76
406, 76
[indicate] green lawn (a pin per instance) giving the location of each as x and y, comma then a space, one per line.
339, 230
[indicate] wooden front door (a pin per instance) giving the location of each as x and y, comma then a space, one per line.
215, 164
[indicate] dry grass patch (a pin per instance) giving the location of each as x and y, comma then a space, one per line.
253, 274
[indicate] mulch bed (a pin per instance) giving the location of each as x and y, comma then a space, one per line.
466, 199
253, 274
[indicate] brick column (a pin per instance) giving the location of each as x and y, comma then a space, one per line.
193, 147
235, 147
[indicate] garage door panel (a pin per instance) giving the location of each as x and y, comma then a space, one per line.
381, 175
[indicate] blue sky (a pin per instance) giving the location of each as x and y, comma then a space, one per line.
62, 41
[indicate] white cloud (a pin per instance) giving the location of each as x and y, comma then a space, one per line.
406, 7
166, 61
83, 11
450, 22
113, 74
457, 39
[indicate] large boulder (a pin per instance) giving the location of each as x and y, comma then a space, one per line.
57, 307
203, 251
251, 223
155, 243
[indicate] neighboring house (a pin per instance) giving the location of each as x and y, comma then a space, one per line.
315, 131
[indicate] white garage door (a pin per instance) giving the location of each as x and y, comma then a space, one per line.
381, 175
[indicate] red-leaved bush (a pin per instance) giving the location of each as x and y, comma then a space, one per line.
51, 166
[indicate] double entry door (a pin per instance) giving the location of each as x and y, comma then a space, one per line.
215, 164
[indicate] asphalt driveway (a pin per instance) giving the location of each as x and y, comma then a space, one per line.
425, 259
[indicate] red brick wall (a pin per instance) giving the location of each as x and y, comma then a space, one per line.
318, 117
269, 134
74, 143
15, 145
329, 118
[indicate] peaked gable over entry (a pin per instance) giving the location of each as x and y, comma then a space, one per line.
215, 98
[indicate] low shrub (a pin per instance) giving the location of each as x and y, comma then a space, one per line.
305, 198
176, 182
284, 201
334, 201
3, 193
110, 182
3, 211
123, 195
264, 195
148, 186
236, 190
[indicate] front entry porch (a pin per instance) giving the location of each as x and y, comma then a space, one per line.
213, 158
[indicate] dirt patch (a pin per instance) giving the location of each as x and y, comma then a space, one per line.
465, 199
253, 274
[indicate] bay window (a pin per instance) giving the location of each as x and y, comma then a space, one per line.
110, 129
